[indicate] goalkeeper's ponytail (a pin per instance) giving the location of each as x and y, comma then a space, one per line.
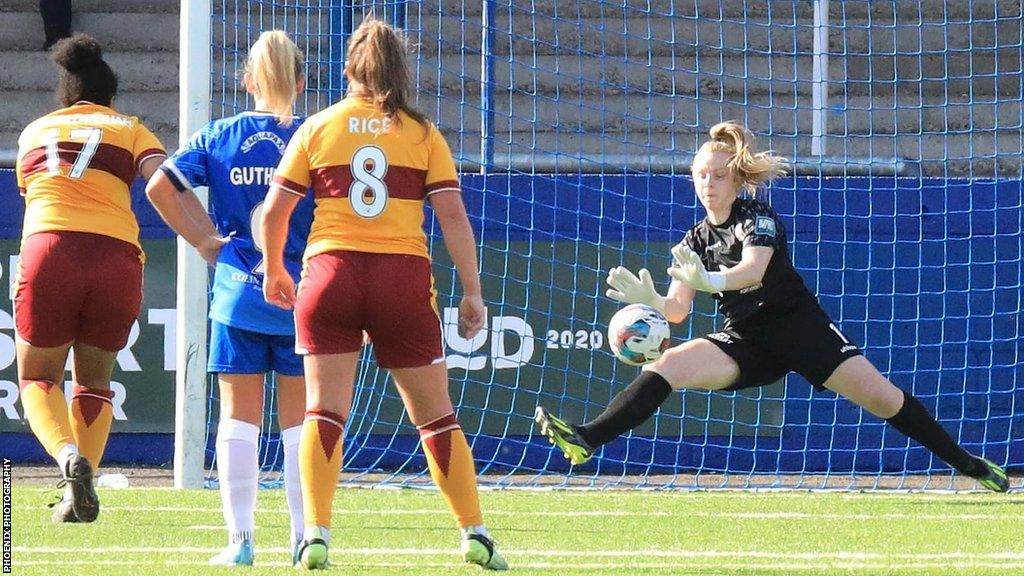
752, 169
275, 67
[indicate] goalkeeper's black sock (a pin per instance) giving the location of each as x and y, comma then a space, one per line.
629, 409
914, 420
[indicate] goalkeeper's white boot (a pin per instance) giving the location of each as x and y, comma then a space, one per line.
236, 554
478, 548
313, 550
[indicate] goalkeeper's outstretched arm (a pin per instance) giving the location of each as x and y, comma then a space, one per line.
678, 302
630, 288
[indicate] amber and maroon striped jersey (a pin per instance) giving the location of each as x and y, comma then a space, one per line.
75, 167
370, 176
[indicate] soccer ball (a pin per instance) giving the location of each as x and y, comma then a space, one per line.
638, 334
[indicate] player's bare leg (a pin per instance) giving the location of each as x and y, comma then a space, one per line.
90, 412
41, 376
860, 382
424, 392
694, 364
329, 379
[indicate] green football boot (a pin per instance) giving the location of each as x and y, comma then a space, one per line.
564, 435
479, 549
313, 551
995, 480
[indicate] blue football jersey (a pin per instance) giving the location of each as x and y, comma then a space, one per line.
236, 158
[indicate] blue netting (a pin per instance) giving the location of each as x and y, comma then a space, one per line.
574, 122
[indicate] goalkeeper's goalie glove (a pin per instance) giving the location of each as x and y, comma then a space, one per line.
627, 287
690, 270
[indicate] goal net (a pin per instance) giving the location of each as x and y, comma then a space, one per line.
574, 122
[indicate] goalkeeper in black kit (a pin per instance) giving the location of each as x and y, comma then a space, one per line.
773, 324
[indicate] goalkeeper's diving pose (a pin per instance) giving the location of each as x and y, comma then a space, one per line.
773, 324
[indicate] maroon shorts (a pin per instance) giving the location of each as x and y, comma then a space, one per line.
390, 296
77, 287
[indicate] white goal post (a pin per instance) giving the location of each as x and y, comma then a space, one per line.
192, 275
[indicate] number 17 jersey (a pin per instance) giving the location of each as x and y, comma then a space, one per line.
370, 176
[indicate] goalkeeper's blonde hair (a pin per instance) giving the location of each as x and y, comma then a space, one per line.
752, 169
275, 66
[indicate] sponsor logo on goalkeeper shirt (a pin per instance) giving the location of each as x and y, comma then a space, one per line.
721, 337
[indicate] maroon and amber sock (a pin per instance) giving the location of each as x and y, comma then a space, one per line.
320, 464
90, 414
451, 467
47, 413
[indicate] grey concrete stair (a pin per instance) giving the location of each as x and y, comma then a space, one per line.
23, 30
139, 39
102, 6
141, 71
626, 78
157, 110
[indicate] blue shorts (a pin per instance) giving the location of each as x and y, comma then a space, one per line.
237, 351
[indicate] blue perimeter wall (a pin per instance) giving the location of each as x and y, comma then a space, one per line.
928, 270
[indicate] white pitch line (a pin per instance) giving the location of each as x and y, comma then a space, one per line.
792, 556
594, 513
904, 494
617, 567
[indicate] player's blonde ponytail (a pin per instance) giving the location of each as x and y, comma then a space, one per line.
377, 60
275, 66
752, 169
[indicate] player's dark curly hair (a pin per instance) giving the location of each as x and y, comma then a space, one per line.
84, 75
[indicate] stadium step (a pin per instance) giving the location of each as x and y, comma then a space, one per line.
139, 39
104, 6
23, 31
157, 110
954, 155
705, 61
149, 70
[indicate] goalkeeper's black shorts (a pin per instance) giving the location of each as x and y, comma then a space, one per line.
769, 345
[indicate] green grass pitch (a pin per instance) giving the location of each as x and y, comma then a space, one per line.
158, 531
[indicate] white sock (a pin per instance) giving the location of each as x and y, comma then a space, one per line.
478, 529
323, 532
292, 487
238, 472
67, 452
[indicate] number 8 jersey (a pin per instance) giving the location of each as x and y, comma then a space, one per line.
236, 157
370, 176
